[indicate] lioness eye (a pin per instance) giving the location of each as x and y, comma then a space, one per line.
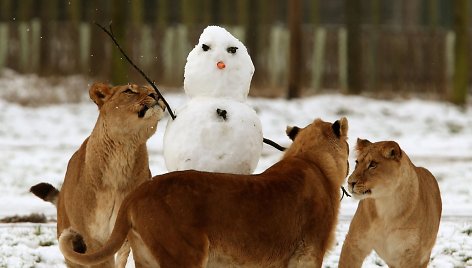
232, 50
372, 164
129, 91
205, 47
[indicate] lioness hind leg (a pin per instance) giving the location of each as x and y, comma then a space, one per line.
306, 257
189, 253
122, 255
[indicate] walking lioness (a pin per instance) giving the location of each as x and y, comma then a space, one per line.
111, 162
399, 212
282, 217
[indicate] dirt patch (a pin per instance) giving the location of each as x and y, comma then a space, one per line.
33, 217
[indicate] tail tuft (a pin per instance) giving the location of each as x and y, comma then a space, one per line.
46, 192
78, 243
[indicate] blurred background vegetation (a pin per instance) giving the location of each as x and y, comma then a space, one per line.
299, 47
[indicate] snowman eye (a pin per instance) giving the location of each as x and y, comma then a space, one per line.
231, 50
205, 47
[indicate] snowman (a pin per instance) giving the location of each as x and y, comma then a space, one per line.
215, 130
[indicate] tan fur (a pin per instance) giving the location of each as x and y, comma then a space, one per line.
283, 217
399, 212
111, 162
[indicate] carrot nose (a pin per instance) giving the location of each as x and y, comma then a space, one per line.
221, 65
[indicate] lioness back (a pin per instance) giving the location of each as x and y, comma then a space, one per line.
282, 217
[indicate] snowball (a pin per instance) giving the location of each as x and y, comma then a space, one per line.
200, 138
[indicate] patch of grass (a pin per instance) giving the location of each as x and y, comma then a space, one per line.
37, 230
46, 243
33, 217
38, 259
343, 111
468, 231
449, 251
454, 128
467, 259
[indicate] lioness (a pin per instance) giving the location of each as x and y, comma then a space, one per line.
399, 212
282, 217
111, 163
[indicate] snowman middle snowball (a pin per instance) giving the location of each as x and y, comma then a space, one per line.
215, 130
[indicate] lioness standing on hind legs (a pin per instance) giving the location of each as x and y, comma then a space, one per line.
283, 217
399, 212
111, 162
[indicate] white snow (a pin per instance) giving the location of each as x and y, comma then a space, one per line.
36, 144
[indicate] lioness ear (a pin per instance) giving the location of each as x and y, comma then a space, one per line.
340, 127
391, 150
292, 132
99, 93
361, 144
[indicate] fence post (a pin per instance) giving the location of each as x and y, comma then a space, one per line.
85, 41
449, 56
176, 48
35, 44
25, 41
277, 60
461, 52
318, 58
4, 36
342, 58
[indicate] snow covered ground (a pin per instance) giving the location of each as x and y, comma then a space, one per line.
37, 142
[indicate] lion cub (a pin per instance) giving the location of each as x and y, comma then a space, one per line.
111, 163
285, 216
399, 212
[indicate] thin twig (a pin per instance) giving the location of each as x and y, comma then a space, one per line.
344, 193
274, 144
110, 33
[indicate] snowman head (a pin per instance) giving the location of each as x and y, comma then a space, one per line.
218, 66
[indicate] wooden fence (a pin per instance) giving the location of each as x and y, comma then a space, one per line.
418, 60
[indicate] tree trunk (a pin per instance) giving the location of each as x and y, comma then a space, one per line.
295, 62
354, 46
461, 52
119, 70
5, 10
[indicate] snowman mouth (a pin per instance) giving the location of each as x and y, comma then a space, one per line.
222, 113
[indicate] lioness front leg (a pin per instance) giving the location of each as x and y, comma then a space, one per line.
355, 249
310, 256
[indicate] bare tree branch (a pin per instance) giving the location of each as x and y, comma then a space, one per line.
110, 33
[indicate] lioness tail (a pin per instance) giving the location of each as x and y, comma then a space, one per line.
45, 191
72, 245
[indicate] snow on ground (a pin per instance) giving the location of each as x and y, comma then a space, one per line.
37, 142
